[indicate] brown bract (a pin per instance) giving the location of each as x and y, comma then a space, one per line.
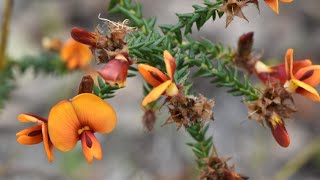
86, 85
234, 8
186, 110
217, 169
149, 119
275, 105
274, 99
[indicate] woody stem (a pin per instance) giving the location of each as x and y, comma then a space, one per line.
5, 31
302, 157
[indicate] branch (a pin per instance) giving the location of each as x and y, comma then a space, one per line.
5, 32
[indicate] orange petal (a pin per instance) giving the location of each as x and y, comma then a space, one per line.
156, 93
287, 1
29, 136
95, 113
306, 87
152, 75
48, 146
309, 75
31, 118
170, 64
75, 54
273, 4
63, 126
73, 63
308, 95
289, 63
90, 146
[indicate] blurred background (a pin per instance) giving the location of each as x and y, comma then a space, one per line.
130, 152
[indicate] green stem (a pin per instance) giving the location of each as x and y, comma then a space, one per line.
5, 32
292, 166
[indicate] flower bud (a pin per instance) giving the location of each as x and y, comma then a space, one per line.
86, 85
84, 36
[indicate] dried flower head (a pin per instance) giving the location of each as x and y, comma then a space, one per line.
149, 119
106, 46
118, 30
274, 105
217, 169
187, 110
234, 8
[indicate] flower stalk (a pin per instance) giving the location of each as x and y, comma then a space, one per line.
8, 6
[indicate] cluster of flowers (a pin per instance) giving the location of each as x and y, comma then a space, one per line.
276, 102
85, 114
80, 117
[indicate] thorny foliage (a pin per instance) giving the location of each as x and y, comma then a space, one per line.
143, 41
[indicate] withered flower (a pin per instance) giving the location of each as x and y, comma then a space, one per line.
109, 48
105, 45
149, 119
186, 110
275, 105
217, 169
234, 8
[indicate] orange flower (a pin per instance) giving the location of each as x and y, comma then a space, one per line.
274, 4
75, 54
304, 80
161, 82
278, 130
79, 119
36, 134
266, 73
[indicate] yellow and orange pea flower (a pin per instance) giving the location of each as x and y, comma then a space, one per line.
299, 77
78, 119
75, 54
162, 83
274, 4
115, 71
304, 80
36, 134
